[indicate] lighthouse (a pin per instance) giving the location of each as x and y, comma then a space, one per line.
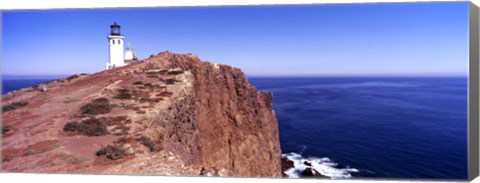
115, 42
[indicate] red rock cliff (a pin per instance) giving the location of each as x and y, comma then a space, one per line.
171, 114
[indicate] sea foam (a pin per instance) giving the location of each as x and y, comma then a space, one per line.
324, 166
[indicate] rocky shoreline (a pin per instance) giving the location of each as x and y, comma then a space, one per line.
296, 166
288, 164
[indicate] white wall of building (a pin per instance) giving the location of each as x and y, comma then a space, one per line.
116, 58
129, 55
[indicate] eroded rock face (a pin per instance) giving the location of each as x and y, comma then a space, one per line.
176, 114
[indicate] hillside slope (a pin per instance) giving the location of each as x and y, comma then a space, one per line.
171, 114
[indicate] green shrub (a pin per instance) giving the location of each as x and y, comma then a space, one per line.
97, 106
111, 152
13, 106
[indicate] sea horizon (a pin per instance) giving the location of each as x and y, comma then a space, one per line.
25, 81
59, 76
34, 76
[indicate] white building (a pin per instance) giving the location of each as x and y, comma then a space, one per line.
130, 55
116, 52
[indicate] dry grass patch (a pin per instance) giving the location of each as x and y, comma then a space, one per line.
97, 106
123, 94
111, 152
13, 106
88, 127
72, 77
138, 83
147, 142
5, 129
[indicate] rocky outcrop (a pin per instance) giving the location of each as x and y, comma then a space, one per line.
286, 164
171, 114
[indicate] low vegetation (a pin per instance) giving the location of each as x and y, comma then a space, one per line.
175, 72
13, 106
72, 77
152, 76
97, 106
88, 127
152, 73
148, 85
138, 83
112, 121
111, 152
170, 81
147, 142
5, 129
70, 126
92, 127
123, 94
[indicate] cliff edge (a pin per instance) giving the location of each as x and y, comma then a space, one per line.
171, 114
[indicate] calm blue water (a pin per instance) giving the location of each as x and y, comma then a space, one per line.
384, 127
9, 85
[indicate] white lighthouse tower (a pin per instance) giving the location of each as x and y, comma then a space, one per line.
115, 42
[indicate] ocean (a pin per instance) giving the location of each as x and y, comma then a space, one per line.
11, 84
372, 127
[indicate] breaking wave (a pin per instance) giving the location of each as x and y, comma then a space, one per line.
323, 166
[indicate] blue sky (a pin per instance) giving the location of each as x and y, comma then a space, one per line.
390, 39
